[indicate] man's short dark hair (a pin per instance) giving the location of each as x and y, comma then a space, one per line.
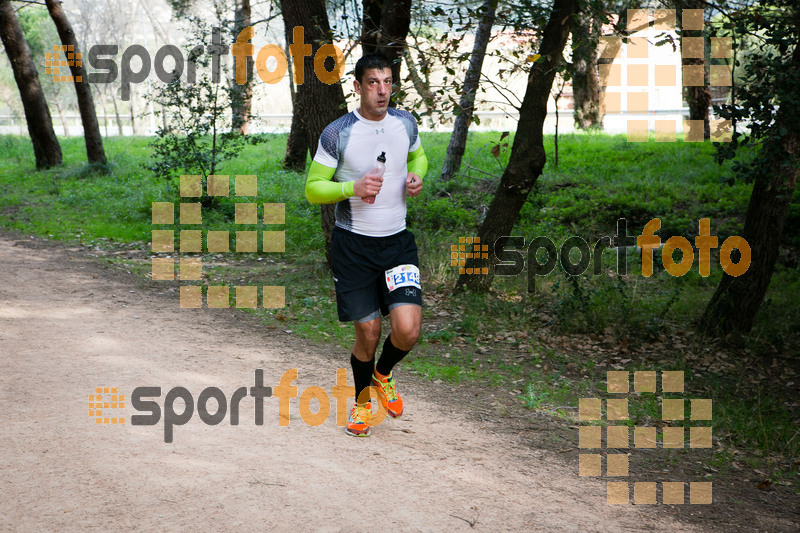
369, 61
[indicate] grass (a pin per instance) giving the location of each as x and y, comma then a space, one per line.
551, 346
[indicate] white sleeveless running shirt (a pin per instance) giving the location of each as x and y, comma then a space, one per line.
351, 145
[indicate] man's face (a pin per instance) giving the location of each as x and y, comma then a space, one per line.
375, 91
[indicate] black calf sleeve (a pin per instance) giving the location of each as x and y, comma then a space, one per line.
390, 356
362, 373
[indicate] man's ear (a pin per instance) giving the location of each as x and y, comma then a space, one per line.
357, 86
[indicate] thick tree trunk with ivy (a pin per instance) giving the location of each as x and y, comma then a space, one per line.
735, 303
395, 22
296, 146
384, 29
297, 141
46, 149
91, 130
242, 95
697, 97
585, 75
527, 153
458, 140
316, 104
371, 25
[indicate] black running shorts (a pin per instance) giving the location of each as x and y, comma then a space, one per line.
360, 264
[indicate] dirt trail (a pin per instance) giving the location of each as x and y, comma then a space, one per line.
68, 326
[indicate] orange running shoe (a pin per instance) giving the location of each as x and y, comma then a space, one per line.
387, 392
358, 421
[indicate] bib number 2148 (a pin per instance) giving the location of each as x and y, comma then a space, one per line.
402, 276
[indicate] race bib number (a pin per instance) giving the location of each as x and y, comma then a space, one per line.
402, 276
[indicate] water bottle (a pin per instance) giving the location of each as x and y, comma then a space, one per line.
376, 171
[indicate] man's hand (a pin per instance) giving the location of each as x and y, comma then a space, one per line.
413, 184
367, 187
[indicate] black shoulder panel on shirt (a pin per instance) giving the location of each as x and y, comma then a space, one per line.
330, 135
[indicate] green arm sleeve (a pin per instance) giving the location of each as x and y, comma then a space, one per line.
321, 189
418, 162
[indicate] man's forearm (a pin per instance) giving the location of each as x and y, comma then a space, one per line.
321, 189
417, 162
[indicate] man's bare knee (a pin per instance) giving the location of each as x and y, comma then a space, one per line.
406, 324
405, 337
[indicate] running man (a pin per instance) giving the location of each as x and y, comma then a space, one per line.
373, 255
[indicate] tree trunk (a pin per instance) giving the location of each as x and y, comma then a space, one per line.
421, 84
103, 107
697, 97
296, 146
395, 22
46, 149
585, 75
91, 130
134, 127
736, 301
370, 25
242, 97
297, 142
61, 115
458, 140
384, 29
116, 114
289, 71
316, 104
527, 153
